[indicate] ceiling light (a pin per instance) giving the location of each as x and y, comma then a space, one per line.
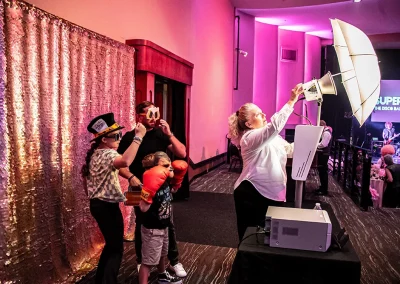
356, 1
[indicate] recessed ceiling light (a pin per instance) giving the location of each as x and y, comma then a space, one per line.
356, 1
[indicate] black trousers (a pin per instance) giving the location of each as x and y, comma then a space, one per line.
173, 254
391, 197
251, 207
323, 171
110, 221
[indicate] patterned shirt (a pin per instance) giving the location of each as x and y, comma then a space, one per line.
103, 181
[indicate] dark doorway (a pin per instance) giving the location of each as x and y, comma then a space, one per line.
170, 97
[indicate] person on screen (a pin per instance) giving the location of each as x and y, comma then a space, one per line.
388, 134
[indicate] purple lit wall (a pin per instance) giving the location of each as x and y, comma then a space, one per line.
274, 78
290, 73
244, 94
200, 31
312, 69
211, 95
265, 67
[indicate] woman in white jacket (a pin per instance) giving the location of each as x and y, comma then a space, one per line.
262, 182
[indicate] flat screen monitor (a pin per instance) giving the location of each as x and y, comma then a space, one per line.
388, 106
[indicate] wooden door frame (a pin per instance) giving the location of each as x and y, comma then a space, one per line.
152, 59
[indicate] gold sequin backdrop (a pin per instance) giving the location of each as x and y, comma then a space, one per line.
54, 77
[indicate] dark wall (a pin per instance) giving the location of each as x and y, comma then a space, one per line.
389, 63
336, 110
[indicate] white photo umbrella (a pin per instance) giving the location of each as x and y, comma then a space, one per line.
359, 68
361, 78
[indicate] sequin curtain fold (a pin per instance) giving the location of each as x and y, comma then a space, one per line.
54, 78
4, 217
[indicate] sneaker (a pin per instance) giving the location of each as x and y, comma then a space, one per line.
165, 278
179, 271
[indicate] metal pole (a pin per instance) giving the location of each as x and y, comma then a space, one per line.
237, 52
319, 112
298, 195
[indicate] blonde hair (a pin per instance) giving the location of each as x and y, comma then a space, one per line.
237, 123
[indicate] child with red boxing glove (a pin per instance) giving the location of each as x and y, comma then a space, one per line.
156, 206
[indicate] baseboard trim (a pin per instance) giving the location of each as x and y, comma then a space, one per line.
205, 162
205, 171
203, 167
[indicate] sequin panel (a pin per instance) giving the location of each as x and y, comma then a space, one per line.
54, 78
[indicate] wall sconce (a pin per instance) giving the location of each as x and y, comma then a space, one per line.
238, 51
244, 53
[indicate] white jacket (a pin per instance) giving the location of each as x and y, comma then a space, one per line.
264, 153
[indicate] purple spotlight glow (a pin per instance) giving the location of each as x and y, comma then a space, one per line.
327, 34
296, 28
271, 21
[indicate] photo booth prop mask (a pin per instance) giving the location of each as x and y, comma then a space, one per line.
152, 113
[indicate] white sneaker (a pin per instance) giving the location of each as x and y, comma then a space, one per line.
179, 271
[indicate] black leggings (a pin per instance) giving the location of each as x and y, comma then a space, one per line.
251, 207
391, 196
110, 221
323, 171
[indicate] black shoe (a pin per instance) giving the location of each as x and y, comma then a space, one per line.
165, 277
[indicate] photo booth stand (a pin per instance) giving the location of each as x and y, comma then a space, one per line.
307, 137
306, 140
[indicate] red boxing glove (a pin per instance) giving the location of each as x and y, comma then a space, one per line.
180, 169
153, 179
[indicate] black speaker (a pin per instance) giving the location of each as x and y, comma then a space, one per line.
376, 148
289, 135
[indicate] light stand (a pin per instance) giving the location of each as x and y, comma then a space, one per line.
307, 136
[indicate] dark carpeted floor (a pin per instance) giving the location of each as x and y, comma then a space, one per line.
375, 234
208, 219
